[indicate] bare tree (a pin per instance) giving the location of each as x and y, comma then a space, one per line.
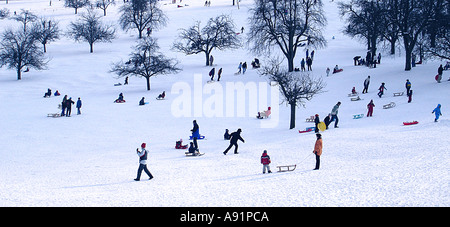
90, 29
46, 31
146, 62
18, 50
296, 87
25, 17
76, 4
219, 33
286, 24
104, 4
141, 15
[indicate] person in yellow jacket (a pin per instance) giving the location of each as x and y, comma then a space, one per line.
318, 150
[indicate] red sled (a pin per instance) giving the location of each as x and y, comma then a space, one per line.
411, 123
306, 130
436, 77
178, 145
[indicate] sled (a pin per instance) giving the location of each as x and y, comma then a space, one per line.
286, 168
411, 123
193, 154
388, 106
398, 93
118, 84
322, 127
210, 81
310, 119
119, 101
55, 115
352, 94
356, 99
160, 98
358, 116
309, 129
436, 77
200, 138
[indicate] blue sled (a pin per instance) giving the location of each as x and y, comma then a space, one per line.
199, 138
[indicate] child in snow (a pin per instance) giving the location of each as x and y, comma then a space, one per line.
408, 86
381, 90
354, 91
79, 106
48, 94
370, 107
318, 150
240, 68
211, 73
226, 136
437, 112
410, 96
192, 148
142, 162
265, 161
142, 102
195, 133
162, 95
57, 93
316, 121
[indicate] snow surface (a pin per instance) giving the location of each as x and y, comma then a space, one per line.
90, 159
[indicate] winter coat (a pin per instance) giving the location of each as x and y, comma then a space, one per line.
235, 136
192, 148
366, 82
79, 103
318, 147
142, 156
437, 111
69, 103
196, 131
265, 159
335, 110
370, 106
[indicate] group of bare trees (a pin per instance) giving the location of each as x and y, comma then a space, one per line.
422, 25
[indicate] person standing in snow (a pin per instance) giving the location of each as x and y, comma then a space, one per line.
381, 90
370, 107
195, 133
79, 106
265, 161
316, 122
437, 112
440, 71
211, 60
318, 150
219, 73
235, 136
410, 96
211, 73
63, 106
366, 85
408, 86
334, 113
302, 63
69, 103
244, 67
142, 162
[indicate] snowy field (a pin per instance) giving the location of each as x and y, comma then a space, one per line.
90, 159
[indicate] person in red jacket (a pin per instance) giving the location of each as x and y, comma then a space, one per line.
370, 108
265, 160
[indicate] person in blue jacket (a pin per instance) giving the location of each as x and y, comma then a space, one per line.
79, 106
437, 112
195, 133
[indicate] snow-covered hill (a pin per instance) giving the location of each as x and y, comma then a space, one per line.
90, 159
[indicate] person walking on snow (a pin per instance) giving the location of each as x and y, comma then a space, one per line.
334, 113
381, 90
195, 133
142, 162
408, 86
265, 161
370, 107
318, 150
366, 85
235, 136
437, 112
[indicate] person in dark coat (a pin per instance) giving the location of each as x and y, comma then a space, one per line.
370, 107
63, 106
69, 103
195, 133
219, 73
327, 120
142, 102
381, 90
142, 162
79, 106
48, 94
440, 71
235, 136
410, 96
316, 121
211, 73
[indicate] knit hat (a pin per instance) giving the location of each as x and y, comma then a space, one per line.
143, 145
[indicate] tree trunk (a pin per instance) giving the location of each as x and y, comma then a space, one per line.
148, 83
19, 73
393, 47
207, 58
293, 107
92, 47
408, 50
